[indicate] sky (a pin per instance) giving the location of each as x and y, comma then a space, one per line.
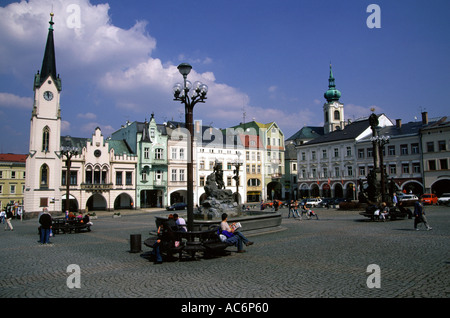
263, 60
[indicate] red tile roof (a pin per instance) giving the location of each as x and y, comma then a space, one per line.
11, 157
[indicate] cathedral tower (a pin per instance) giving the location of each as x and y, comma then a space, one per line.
43, 166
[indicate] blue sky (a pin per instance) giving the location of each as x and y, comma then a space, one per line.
267, 58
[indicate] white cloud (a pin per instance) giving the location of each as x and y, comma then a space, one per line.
87, 116
8, 100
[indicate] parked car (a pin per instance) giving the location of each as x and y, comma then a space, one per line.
312, 202
409, 197
177, 206
444, 199
429, 198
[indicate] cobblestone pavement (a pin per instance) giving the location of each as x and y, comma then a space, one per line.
321, 258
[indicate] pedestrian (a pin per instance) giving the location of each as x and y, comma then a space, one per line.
180, 222
291, 209
2, 216
394, 199
46, 225
419, 215
231, 232
296, 209
9, 216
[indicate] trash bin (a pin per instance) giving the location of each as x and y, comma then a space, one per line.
135, 243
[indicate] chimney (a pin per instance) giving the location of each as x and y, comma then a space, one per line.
398, 123
425, 118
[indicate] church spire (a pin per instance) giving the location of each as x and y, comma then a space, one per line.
49, 62
332, 94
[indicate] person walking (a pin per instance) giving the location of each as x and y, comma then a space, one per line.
394, 199
46, 224
9, 216
419, 215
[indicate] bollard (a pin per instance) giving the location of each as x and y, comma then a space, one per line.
135, 243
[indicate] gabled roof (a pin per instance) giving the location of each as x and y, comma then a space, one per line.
11, 157
307, 133
351, 131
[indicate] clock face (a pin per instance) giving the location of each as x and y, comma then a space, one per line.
48, 95
97, 153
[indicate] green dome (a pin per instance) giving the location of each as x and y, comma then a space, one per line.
332, 94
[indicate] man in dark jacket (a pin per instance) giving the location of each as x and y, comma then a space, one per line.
419, 215
46, 224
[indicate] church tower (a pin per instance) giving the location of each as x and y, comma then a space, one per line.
333, 109
43, 166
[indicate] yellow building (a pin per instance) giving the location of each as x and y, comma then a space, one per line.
12, 179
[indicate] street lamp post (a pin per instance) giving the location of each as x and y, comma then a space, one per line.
189, 95
68, 152
378, 142
237, 164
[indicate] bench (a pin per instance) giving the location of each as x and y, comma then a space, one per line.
207, 242
67, 226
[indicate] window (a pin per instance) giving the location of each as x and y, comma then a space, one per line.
349, 151
202, 181
46, 139
336, 172
405, 168
392, 169
118, 177
43, 202
44, 176
247, 168
362, 171
202, 165
181, 153
174, 174
336, 152
146, 153
415, 149
430, 146
416, 167
174, 153
294, 167
391, 150
313, 155
369, 152
324, 154
258, 156
128, 178
361, 153
349, 171
247, 155
12, 189
181, 174
403, 150
152, 133
432, 165
159, 153
325, 172
1, 188
441, 145
303, 156
228, 181
1, 174
13, 174
337, 115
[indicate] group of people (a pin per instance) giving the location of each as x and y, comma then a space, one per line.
419, 212
174, 223
293, 207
